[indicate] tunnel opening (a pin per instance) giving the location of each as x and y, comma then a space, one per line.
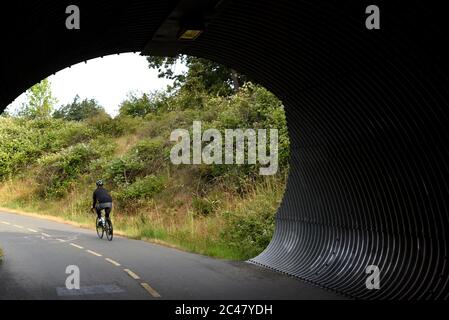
368, 175
200, 163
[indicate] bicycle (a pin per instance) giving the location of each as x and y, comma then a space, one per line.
103, 228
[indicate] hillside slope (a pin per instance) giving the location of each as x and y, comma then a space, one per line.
50, 166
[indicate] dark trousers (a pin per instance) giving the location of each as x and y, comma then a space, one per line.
107, 211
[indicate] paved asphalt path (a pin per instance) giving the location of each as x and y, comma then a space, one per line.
37, 253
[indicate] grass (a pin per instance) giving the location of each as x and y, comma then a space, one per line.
169, 219
1, 255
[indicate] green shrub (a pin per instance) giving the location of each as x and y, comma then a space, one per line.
104, 124
146, 157
250, 228
59, 170
125, 125
21, 145
150, 149
249, 234
72, 133
203, 206
79, 110
135, 106
144, 188
123, 170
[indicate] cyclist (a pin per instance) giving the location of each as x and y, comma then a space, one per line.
101, 200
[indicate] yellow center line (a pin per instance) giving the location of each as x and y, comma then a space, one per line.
94, 253
132, 274
115, 263
7, 223
45, 234
17, 226
150, 290
32, 230
76, 246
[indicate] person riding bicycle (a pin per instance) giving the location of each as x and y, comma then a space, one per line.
101, 200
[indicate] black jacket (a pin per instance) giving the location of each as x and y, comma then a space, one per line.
101, 195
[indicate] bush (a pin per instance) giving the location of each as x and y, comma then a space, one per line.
144, 188
146, 157
123, 170
250, 228
135, 106
79, 110
125, 125
203, 206
105, 125
150, 149
23, 142
72, 133
59, 170
249, 234
154, 154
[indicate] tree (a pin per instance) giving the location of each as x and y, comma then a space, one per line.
135, 106
79, 110
40, 101
139, 106
202, 74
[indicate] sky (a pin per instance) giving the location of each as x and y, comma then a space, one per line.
108, 80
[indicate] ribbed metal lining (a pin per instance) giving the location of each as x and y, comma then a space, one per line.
367, 114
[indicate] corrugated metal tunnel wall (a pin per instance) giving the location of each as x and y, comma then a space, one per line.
367, 112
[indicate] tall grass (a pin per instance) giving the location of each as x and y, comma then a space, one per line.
171, 221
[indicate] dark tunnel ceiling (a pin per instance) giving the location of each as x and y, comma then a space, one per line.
367, 114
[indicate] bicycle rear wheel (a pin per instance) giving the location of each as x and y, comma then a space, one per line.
109, 230
100, 229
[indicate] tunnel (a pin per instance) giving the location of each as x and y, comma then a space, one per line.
367, 111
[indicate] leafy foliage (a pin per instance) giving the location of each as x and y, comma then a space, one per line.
40, 102
143, 188
60, 170
123, 170
136, 106
250, 227
204, 206
202, 75
79, 110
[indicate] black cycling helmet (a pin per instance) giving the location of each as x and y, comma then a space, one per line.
99, 183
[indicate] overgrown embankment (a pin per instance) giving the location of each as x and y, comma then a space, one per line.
50, 166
